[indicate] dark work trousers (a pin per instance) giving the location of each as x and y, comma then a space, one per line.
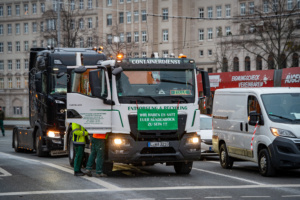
79, 151
98, 149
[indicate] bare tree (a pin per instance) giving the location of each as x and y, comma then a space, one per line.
74, 28
272, 32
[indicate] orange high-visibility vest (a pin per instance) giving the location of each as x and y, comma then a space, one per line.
99, 136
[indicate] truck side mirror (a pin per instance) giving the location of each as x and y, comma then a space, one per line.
38, 82
205, 83
254, 118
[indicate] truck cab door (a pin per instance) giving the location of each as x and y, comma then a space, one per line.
89, 101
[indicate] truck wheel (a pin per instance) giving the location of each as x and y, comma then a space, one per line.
38, 145
264, 163
225, 160
16, 140
107, 167
71, 151
183, 167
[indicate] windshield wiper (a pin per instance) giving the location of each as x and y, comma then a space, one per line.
281, 117
172, 81
150, 97
176, 101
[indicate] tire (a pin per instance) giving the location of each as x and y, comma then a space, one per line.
225, 160
183, 167
71, 150
108, 167
264, 163
38, 145
16, 140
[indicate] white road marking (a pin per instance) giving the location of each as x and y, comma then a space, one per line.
221, 197
228, 176
150, 189
4, 172
290, 196
141, 199
180, 198
255, 196
70, 171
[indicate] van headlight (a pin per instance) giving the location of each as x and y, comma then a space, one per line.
282, 133
53, 134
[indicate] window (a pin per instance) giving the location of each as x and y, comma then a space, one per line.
25, 28
210, 33
9, 46
9, 64
247, 63
228, 30
136, 54
144, 54
109, 39
243, 8
1, 29
18, 46
2, 84
109, 20
136, 16
109, 2
236, 66
50, 24
275, 5
9, 29
128, 1
121, 1
128, 36
8, 10
42, 26
209, 52
17, 110
201, 53
81, 23
219, 31
210, 70
42, 7
144, 16
253, 105
265, 6
42, 43
295, 62
18, 10
289, 4
34, 8
209, 12
26, 47
201, 13
165, 53
1, 11
72, 24
121, 17
81, 4
90, 41
18, 82
128, 17
251, 8
144, 36
9, 83
298, 4
1, 47
90, 23
90, 4
219, 11
165, 14
165, 35
34, 43
96, 21
81, 42
201, 34
225, 65
72, 5
34, 27
26, 62
26, 9
122, 37
258, 62
18, 64
136, 36
1, 65
18, 30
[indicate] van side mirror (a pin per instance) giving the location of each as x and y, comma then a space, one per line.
38, 82
256, 117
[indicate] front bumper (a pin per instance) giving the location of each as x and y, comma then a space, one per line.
52, 144
285, 153
138, 151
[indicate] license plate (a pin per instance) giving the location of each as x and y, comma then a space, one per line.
158, 144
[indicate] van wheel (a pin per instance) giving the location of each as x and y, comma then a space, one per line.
264, 163
183, 167
225, 161
16, 141
71, 150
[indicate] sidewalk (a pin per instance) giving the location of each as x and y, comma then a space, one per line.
9, 124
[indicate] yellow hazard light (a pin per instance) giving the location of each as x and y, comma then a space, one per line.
181, 56
119, 57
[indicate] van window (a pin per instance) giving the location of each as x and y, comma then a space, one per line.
253, 105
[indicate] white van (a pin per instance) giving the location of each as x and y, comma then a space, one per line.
275, 111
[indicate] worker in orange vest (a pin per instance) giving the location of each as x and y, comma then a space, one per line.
97, 151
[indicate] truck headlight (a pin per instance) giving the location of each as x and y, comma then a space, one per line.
282, 132
193, 140
53, 134
120, 142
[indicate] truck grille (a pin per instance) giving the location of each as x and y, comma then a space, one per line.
157, 135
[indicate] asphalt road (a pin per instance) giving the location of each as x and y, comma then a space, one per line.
26, 176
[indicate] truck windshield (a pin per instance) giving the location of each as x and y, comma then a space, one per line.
284, 108
164, 86
58, 81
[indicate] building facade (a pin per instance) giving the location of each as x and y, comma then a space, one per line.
137, 28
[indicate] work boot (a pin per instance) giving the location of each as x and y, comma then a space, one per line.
101, 175
88, 173
80, 173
